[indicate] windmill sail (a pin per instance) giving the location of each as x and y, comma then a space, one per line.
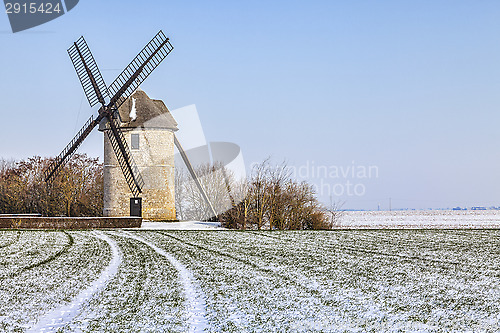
124, 157
70, 149
88, 73
139, 69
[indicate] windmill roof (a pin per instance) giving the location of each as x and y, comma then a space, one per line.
141, 111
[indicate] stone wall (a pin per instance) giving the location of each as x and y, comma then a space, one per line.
155, 160
69, 222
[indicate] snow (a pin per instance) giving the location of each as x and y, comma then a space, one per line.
438, 219
194, 296
255, 281
146, 295
133, 111
43, 270
60, 317
465, 219
342, 280
186, 225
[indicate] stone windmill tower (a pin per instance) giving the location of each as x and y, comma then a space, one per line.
148, 128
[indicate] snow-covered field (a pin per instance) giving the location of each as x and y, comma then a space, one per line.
421, 219
233, 281
185, 225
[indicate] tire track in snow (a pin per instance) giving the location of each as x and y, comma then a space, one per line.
307, 284
12, 241
47, 260
60, 317
404, 257
194, 296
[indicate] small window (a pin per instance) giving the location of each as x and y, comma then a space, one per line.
135, 141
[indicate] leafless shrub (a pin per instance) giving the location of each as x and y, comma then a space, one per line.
335, 213
275, 201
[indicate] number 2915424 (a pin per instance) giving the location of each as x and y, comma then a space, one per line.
32, 8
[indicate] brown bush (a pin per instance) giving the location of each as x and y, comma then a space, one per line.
76, 191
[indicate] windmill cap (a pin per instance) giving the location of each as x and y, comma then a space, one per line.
141, 111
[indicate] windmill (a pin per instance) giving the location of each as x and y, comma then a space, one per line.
96, 91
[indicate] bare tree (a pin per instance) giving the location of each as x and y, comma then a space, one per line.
258, 193
76, 191
217, 183
277, 180
180, 193
238, 216
336, 213
276, 201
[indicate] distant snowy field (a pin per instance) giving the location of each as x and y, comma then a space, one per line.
422, 219
185, 225
233, 281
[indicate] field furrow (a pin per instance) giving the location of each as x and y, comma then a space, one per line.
255, 281
29, 252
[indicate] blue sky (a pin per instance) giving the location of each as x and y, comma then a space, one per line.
409, 87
